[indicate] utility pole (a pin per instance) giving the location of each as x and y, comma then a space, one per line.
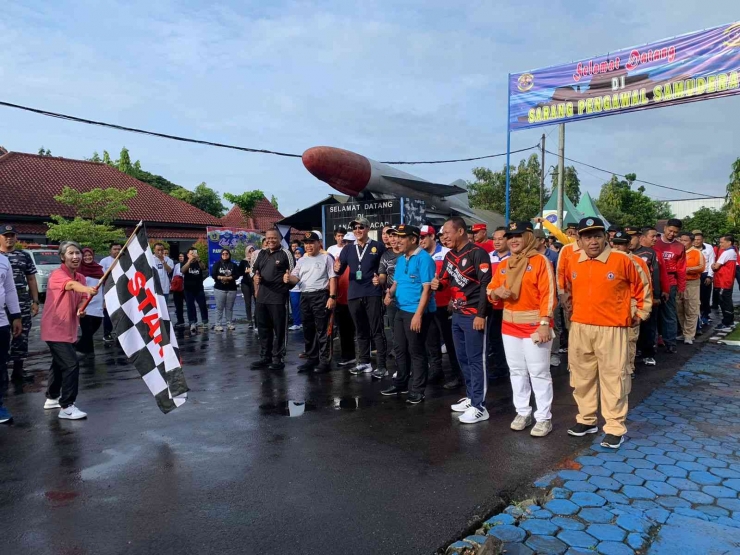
542, 177
561, 175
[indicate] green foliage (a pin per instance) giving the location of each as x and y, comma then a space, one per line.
246, 201
621, 205
712, 222
488, 191
572, 184
202, 246
733, 195
95, 212
43, 152
274, 201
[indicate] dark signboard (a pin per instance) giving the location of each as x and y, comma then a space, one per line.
378, 212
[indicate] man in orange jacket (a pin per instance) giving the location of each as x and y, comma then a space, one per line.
604, 284
688, 305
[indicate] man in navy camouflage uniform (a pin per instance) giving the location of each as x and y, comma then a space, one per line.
24, 276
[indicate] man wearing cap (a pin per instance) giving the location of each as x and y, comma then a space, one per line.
674, 260
24, 277
384, 279
480, 236
495, 355
705, 289
466, 272
314, 274
608, 297
724, 277
365, 298
526, 285
688, 304
622, 242
10, 326
613, 229
441, 330
416, 307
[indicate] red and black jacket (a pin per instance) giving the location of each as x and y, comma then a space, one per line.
467, 273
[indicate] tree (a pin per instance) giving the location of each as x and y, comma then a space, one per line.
733, 195
124, 162
95, 212
43, 152
246, 201
488, 191
572, 183
274, 202
622, 206
712, 222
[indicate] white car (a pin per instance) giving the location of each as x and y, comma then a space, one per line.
46, 261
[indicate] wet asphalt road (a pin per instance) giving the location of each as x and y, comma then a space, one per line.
230, 473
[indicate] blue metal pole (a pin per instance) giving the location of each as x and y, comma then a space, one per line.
508, 146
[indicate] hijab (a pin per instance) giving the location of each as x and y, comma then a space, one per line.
90, 269
517, 264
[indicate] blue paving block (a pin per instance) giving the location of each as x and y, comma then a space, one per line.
628, 479
651, 450
669, 448
602, 482
517, 549
672, 502
576, 538
546, 545
606, 532
476, 539
713, 510
697, 497
614, 548
545, 480
614, 497
712, 463
637, 541
634, 523
514, 511
689, 445
679, 456
650, 474
542, 513
678, 436
644, 504
638, 492
578, 551
539, 527
728, 522
560, 493
568, 523
720, 491
672, 470
460, 545
641, 463
725, 473
500, 519
561, 507
642, 441
615, 466
508, 533
661, 488
588, 499
590, 461
683, 484
659, 459
579, 485
658, 515
596, 516
733, 483
691, 466
693, 513
729, 504
631, 453
609, 455
592, 470
704, 478
572, 475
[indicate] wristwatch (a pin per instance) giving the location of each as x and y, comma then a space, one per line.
333, 297
34, 302
545, 322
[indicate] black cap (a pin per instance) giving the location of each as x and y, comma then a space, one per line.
311, 236
572, 225
674, 222
614, 228
621, 238
7, 229
405, 230
590, 224
517, 228
631, 230
469, 229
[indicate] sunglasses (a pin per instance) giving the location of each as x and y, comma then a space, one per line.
359, 227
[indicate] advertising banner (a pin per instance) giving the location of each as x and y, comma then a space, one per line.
234, 239
697, 66
378, 212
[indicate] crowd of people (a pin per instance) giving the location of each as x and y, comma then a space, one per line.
508, 305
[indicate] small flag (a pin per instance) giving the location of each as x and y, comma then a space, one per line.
138, 311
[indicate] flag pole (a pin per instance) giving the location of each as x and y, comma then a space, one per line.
113, 265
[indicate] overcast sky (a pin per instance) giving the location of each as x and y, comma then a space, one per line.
400, 80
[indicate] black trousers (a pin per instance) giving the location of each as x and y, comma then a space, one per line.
496, 357
315, 317
411, 344
196, 297
272, 324
4, 347
440, 331
248, 292
705, 297
367, 314
64, 374
725, 304
346, 327
179, 299
89, 325
648, 333
107, 324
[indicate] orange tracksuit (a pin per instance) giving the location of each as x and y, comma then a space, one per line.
688, 306
605, 290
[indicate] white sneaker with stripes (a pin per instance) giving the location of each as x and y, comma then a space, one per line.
461, 406
473, 415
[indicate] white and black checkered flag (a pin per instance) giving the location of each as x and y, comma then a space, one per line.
137, 308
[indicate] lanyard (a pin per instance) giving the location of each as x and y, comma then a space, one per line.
357, 249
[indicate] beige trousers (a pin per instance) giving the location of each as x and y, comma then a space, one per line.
633, 334
598, 361
688, 309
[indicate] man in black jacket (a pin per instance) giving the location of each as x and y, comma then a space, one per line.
649, 327
272, 292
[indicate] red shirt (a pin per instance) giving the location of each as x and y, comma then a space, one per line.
673, 255
59, 320
724, 278
487, 246
343, 287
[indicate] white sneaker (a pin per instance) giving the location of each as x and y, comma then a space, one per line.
193, 328
473, 415
295, 328
230, 327
541, 429
688, 341
52, 404
522, 422
461, 406
395, 374
366, 368
444, 349
218, 327
680, 338
554, 360
648, 361
72, 413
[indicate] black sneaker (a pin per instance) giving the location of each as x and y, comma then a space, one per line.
107, 337
307, 366
261, 364
415, 398
580, 430
611, 441
277, 364
394, 390
670, 349
379, 373
452, 384
322, 368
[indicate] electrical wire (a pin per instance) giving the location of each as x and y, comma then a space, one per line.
636, 180
222, 145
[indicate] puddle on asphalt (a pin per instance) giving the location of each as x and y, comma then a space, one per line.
294, 408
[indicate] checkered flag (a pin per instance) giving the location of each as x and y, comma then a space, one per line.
137, 308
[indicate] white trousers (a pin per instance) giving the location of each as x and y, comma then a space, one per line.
529, 369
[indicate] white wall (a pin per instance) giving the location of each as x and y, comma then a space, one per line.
686, 207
